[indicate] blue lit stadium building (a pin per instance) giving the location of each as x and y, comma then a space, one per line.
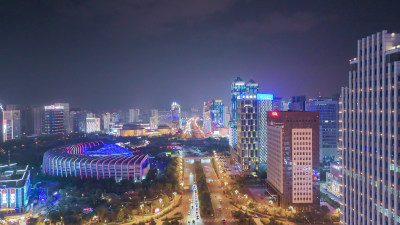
96, 160
15, 186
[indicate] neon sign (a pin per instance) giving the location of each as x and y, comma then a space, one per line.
265, 97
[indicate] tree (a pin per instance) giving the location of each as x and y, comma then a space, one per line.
324, 211
54, 216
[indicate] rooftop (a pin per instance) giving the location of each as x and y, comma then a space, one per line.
11, 175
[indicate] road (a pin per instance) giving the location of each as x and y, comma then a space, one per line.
188, 197
221, 204
192, 129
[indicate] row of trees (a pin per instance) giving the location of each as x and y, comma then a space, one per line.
206, 208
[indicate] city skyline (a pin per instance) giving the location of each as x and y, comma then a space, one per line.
147, 54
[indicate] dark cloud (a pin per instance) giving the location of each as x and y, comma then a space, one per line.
141, 17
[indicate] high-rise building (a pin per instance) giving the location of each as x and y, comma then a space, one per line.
78, 119
134, 115
293, 158
54, 119
297, 103
154, 119
207, 122
278, 104
92, 124
105, 122
66, 122
369, 129
176, 115
11, 124
251, 147
226, 116
238, 87
38, 120
1, 122
26, 118
328, 122
164, 118
217, 117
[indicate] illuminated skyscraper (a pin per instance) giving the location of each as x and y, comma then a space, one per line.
217, 115
26, 118
66, 119
176, 115
54, 119
238, 87
11, 124
369, 129
251, 147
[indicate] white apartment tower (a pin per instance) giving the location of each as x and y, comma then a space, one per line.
368, 139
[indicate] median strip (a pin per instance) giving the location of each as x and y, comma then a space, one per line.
206, 208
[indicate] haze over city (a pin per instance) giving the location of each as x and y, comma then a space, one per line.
110, 54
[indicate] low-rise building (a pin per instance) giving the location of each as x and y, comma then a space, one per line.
333, 184
15, 187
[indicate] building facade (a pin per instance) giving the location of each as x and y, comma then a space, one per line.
250, 149
176, 116
92, 125
66, 120
297, 103
238, 88
293, 159
108, 162
11, 124
134, 115
217, 114
54, 119
329, 125
15, 188
78, 119
368, 139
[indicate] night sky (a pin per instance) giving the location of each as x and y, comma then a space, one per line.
121, 54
